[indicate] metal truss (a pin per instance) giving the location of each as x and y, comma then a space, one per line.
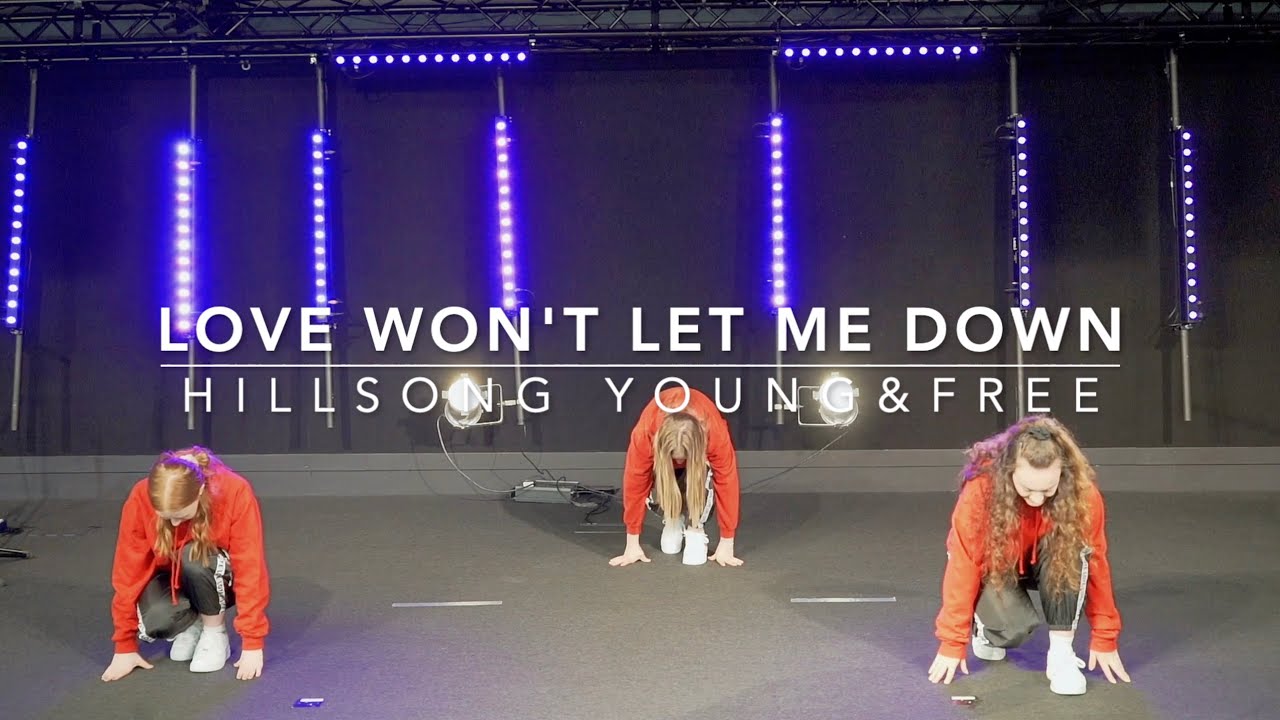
52, 30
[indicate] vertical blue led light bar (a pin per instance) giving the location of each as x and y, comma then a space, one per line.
507, 260
17, 233
1019, 206
778, 286
319, 218
1190, 310
184, 239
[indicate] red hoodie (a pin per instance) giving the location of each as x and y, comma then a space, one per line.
637, 477
962, 579
237, 528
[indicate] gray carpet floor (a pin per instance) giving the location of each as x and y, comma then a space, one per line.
1197, 579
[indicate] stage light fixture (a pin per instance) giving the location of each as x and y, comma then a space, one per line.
779, 289
184, 239
878, 51
17, 234
1019, 214
467, 402
837, 400
320, 214
406, 58
1190, 309
508, 277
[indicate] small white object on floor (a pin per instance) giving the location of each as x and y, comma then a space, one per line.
459, 603
844, 600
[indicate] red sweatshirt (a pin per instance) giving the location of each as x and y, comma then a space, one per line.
237, 528
637, 477
962, 579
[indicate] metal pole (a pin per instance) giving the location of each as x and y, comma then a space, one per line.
773, 108
502, 110
17, 380
191, 345
16, 403
1013, 110
1183, 333
328, 353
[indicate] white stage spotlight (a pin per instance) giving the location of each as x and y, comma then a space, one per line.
466, 403
837, 399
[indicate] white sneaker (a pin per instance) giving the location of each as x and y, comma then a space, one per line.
184, 645
982, 647
212, 651
695, 547
1063, 670
672, 536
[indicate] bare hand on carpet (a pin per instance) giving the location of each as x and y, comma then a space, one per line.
1110, 663
123, 664
944, 669
249, 666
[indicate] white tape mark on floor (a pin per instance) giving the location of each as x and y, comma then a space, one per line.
460, 603
844, 600
596, 532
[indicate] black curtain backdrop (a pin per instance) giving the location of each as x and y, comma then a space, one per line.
641, 181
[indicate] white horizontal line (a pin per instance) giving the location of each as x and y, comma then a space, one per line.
604, 366
596, 532
460, 603
844, 600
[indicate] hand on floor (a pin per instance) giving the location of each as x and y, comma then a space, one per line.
123, 664
249, 666
944, 669
1110, 664
629, 556
724, 556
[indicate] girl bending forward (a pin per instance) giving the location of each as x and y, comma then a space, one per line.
1029, 515
681, 465
190, 547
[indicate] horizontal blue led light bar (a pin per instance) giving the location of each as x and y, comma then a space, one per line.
434, 58
894, 51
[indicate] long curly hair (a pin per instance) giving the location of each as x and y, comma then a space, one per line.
680, 432
175, 481
1040, 441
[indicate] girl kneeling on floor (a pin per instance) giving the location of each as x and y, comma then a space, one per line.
190, 547
1029, 515
681, 463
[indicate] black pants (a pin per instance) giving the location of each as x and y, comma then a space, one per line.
202, 590
1007, 617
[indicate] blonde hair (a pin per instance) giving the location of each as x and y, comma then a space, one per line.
680, 433
175, 481
1040, 441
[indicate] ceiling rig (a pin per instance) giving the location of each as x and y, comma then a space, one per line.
81, 30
